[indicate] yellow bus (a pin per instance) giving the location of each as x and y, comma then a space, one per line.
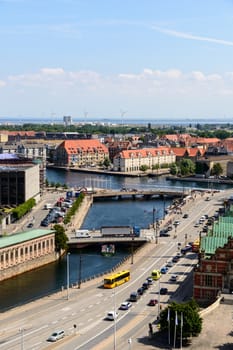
156, 274
116, 279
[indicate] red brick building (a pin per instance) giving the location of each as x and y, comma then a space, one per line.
214, 273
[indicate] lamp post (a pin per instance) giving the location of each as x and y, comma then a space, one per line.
22, 338
114, 318
159, 300
157, 229
80, 271
68, 273
154, 223
132, 252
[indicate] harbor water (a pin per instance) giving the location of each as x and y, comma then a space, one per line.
51, 278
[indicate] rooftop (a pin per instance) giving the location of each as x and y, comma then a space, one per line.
21, 237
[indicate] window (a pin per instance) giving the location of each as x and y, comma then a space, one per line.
208, 280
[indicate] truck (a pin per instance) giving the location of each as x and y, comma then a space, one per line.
82, 234
120, 231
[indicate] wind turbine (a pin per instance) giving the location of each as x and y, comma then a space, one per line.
122, 115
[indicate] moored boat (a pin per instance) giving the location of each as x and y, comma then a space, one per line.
108, 249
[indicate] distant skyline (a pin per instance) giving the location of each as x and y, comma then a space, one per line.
125, 59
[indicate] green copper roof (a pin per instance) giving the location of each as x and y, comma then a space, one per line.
210, 244
21, 237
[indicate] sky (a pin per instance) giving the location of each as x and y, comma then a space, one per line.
132, 59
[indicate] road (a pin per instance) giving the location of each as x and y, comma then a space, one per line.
29, 326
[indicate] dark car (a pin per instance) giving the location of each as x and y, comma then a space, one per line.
140, 291
163, 291
134, 296
175, 259
185, 216
153, 302
30, 225
145, 285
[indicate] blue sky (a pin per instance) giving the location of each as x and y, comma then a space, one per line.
105, 58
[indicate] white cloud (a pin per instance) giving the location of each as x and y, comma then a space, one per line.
2, 83
192, 37
52, 71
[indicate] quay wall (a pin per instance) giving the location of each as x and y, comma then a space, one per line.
28, 265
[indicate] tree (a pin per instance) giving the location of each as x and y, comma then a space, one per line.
106, 162
217, 169
61, 238
174, 169
192, 322
187, 167
144, 167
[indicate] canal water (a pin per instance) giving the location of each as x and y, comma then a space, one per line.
53, 277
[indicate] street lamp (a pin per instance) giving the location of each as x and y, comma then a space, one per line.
22, 338
68, 273
157, 229
114, 318
132, 252
159, 300
80, 271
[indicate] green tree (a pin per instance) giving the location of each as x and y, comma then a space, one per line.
106, 162
174, 169
217, 169
187, 167
61, 238
144, 168
192, 322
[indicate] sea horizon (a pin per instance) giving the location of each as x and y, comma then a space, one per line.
8, 121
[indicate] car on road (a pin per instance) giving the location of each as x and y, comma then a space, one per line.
164, 234
175, 259
112, 315
173, 278
163, 291
145, 285
185, 216
140, 291
164, 269
57, 335
150, 280
134, 296
125, 305
169, 264
30, 225
153, 302
176, 223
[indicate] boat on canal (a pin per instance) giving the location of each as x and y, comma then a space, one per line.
108, 249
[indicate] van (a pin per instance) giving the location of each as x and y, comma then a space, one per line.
48, 206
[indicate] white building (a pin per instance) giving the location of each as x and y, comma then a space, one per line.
131, 160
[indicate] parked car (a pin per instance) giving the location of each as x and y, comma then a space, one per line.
185, 216
176, 222
145, 285
163, 291
164, 269
125, 305
140, 291
175, 259
173, 278
56, 336
169, 264
153, 302
112, 315
30, 225
134, 296
150, 281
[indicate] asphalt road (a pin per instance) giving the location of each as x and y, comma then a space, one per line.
29, 326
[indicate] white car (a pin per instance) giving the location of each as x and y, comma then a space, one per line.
56, 335
125, 305
112, 315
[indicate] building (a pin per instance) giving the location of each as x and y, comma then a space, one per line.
76, 153
214, 273
19, 180
25, 251
67, 120
131, 160
117, 146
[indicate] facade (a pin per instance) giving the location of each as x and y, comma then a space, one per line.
214, 273
76, 153
117, 146
25, 251
18, 182
131, 160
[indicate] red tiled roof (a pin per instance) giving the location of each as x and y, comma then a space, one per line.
144, 152
74, 146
